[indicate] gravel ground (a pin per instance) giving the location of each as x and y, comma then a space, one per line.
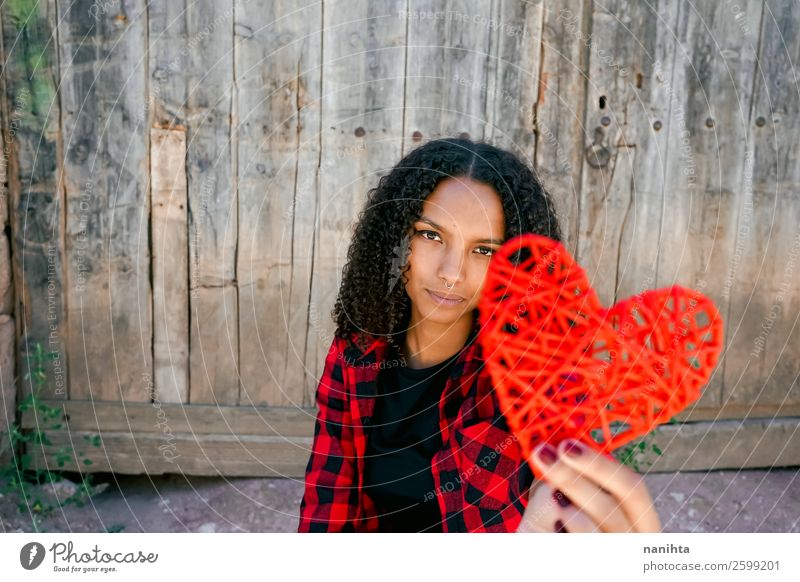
719, 501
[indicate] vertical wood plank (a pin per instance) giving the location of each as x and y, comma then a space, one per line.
191, 56
713, 83
446, 68
627, 126
763, 275
277, 66
513, 76
30, 153
560, 109
170, 265
363, 73
103, 88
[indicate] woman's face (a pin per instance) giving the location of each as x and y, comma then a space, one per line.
462, 224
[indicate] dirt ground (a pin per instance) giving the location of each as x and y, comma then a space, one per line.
720, 501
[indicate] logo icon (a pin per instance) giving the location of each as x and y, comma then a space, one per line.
31, 555
399, 261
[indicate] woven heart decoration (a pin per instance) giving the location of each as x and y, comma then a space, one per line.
564, 366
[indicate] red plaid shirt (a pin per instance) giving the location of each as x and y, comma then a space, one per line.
481, 479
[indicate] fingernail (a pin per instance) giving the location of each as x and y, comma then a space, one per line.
547, 454
559, 527
560, 498
572, 448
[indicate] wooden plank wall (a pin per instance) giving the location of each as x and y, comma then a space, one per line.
184, 177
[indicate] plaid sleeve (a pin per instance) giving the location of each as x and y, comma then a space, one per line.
330, 498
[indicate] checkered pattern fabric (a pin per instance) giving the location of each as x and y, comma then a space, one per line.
481, 479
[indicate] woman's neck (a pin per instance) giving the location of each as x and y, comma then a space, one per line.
428, 344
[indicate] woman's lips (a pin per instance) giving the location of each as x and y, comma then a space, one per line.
441, 300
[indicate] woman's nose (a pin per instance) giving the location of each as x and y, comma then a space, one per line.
451, 267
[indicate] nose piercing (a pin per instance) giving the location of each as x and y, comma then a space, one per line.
449, 286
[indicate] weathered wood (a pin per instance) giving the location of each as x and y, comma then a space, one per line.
363, 75
712, 85
449, 44
671, 152
727, 444
103, 80
559, 111
512, 76
197, 419
627, 120
191, 58
170, 265
8, 387
763, 275
156, 453
31, 111
689, 447
278, 87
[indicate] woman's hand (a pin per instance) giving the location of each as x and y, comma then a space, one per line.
585, 491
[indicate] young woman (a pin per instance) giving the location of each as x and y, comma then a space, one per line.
410, 435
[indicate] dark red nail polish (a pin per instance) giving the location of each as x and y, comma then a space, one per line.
572, 448
559, 527
561, 499
547, 454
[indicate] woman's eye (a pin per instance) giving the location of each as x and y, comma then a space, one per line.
491, 251
425, 232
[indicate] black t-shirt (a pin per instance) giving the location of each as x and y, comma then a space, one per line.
402, 437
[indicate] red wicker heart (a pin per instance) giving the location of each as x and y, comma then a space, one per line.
564, 366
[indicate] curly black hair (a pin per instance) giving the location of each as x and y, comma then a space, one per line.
370, 300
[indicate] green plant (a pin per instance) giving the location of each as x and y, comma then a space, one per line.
634, 454
20, 475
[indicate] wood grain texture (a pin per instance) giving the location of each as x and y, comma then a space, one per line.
157, 454
627, 127
197, 418
191, 58
105, 157
170, 265
763, 275
698, 446
513, 76
560, 109
713, 81
277, 67
31, 155
666, 132
449, 47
